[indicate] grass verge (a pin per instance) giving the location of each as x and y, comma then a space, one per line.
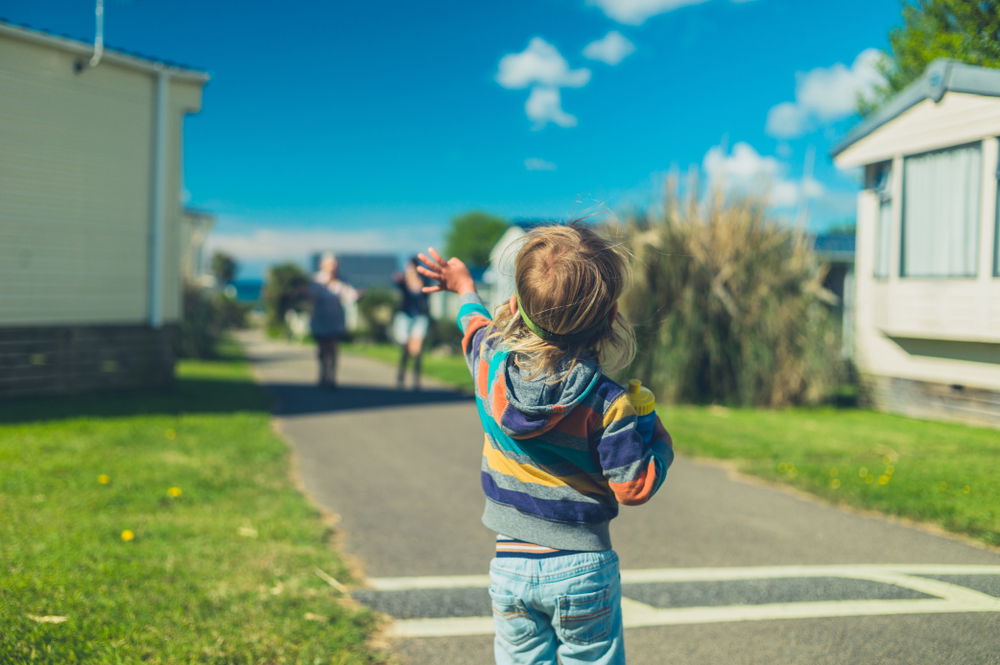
943, 473
447, 369
164, 528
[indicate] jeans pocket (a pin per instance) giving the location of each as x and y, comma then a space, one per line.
514, 622
585, 618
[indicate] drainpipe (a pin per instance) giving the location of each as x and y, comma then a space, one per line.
157, 215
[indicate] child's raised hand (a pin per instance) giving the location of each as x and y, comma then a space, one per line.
452, 275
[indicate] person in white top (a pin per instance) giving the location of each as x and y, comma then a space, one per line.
328, 323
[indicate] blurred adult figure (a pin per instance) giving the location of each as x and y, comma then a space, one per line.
328, 323
411, 321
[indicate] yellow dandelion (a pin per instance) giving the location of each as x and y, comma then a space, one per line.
883, 479
174, 492
104, 479
835, 484
890, 469
171, 433
863, 472
966, 489
128, 535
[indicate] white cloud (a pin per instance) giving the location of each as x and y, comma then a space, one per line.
786, 120
812, 188
612, 48
741, 166
537, 164
745, 171
784, 194
825, 94
539, 64
636, 11
257, 247
543, 69
544, 105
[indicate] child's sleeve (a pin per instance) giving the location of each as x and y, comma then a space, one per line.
633, 468
473, 319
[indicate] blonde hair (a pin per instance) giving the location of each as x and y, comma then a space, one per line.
568, 279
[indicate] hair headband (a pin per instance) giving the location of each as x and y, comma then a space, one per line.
548, 336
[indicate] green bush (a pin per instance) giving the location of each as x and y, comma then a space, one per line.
376, 309
284, 291
729, 306
207, 314
444, 333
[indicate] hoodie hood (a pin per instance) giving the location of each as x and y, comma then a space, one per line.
536, 405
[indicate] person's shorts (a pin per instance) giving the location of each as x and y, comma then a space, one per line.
406, 327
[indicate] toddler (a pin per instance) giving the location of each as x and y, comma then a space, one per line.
562, 449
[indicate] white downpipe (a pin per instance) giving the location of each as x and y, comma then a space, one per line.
98, 34
157, 215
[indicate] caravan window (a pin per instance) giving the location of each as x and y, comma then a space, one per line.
941, 192
996, 219
880, 182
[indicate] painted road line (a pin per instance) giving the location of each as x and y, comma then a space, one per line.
650, 616
428, 582
949, 597
932, 587
856, 571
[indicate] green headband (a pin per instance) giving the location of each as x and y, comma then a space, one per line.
548, 336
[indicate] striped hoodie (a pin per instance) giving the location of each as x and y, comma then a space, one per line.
558, 457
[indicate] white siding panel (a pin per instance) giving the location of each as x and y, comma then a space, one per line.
74, 189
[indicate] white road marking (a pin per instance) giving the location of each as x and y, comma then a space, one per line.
949, 597
430, 582
855, 571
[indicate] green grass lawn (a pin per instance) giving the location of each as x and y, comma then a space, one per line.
448, 369
145, 528
943, 473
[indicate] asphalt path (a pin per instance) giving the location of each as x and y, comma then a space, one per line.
716, 568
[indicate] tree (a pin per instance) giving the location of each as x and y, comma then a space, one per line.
284, 290
224, 267
964, 30
473, 235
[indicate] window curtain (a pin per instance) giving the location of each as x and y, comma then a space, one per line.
996, 225
941, 213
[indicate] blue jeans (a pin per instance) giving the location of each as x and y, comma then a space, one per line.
564, 609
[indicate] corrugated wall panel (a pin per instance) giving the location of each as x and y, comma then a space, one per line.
75, 154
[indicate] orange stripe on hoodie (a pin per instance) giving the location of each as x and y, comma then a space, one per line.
498, 399
474, 324
639, 490
482, 377
580, 422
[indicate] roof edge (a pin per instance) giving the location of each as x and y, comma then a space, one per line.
941, 76
111, 54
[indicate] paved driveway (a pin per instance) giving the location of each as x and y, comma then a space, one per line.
716, 569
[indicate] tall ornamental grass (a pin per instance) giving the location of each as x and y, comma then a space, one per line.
728, 305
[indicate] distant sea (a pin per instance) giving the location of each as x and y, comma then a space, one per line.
248, 290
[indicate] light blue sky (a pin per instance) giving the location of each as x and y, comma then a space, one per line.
368, 125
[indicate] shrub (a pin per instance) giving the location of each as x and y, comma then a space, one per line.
207, 314
444, 334
376, 309
728, 306
284, 291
